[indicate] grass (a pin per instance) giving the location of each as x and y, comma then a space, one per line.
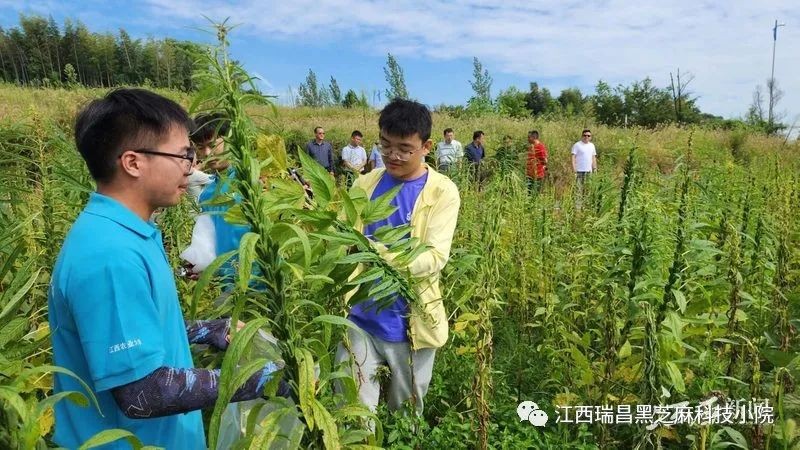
679, 278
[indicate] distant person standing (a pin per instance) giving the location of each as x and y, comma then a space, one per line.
505, 156
584, 158
536, 162
354, 157
450, 151
375, 158
321, 150
475, 152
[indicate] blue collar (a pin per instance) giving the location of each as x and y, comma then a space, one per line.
105, 206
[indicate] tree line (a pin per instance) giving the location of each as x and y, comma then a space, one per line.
39, 53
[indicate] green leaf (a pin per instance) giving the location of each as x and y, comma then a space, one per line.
380, 208
13, 330
270, 428
74, 396
108, 436
337, 237
247, 255
779, 358
29, 372
12, 397
322, 278
231, 374
19, 296
625, 350
365, 277
303, 237
737, 438
306, 380
325, 422
348, 207
680, 300
336, 320
319, 179
675, 377
205, 280
359, 257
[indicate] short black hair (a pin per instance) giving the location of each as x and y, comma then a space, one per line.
209, 126
317, 128
404, 118
586, 130
477, 134
125, 119
356, 133
447, 130
534, 134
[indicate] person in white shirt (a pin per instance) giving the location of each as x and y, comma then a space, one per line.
584, 157
354, 156
449, 151
375, 158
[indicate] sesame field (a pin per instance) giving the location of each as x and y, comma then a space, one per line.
658, 308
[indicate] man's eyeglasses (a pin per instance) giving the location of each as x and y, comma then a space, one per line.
401, 155
587, 135
190, 155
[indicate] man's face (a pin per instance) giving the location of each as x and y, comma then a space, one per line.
403, 156
163, 179
531, 139
319, 134
355, 141
586, 137
479, 140
211, 152
448, 137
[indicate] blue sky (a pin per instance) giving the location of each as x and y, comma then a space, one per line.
726, 46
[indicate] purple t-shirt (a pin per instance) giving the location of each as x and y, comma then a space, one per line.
390, 323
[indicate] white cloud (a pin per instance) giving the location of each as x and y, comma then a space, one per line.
726, 45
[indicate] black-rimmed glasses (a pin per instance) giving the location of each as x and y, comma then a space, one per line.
190, 155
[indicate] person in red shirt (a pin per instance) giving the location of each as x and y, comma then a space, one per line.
537, 162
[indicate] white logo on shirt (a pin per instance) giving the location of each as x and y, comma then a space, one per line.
124, 345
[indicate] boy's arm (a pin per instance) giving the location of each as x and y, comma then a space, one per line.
167, 391
211, 332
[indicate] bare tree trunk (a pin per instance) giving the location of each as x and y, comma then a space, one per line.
81, 77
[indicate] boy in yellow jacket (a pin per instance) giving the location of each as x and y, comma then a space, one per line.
398, 336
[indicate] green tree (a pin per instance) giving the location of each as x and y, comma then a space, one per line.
395, 78
647, 105
481, 100
539, 100
70, 76
310, 92
336, 93
607, 105
350, 99
571, 101
511, 103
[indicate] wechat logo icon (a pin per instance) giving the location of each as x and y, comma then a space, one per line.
530, 411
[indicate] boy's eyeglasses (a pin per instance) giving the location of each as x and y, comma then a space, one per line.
190, 155
401, 155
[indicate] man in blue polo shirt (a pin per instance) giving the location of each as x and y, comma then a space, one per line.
114, 314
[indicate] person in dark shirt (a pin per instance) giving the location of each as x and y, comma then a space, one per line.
321, 150
474, 153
